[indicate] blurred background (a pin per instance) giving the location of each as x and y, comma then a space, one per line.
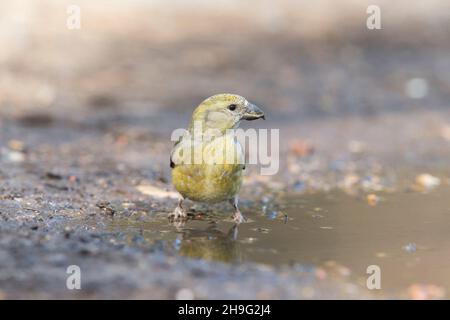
301, 60
299, 57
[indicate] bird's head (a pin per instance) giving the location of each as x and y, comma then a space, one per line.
224, 111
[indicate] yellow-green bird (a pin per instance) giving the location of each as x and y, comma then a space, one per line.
207, 161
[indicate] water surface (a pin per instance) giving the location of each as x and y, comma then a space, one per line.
405, 234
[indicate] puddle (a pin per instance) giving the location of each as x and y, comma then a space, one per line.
405, 234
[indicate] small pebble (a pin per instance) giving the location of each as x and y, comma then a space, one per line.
445, 132
373, 199
184, 294
357, 146
426, 181
416, 88
301, 148
410, 248
15, 156
16, 145
299, 186
425, 292
350, 181
265, 199
320, 274
272, 215
372, 183
344, 271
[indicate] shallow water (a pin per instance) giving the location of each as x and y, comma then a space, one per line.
405, 234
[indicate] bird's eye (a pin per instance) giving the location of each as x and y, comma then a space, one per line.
232, 107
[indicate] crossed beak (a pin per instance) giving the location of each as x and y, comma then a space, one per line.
253, 112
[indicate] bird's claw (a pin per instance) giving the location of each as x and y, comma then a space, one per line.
238, 218
233, 232
178, 214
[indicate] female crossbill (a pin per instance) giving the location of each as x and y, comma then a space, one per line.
207, 161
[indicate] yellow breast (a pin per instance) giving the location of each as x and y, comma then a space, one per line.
217, 178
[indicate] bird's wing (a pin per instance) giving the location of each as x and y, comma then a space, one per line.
220, 150
174, 152
183, 151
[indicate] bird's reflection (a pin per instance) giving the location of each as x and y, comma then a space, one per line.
209, 243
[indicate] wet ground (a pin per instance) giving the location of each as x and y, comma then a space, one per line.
364, 152
312, 230
404, 234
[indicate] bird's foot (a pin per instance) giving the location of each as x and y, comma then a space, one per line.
178, 214
233, 232
238, 218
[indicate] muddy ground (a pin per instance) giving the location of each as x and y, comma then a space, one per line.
364, 120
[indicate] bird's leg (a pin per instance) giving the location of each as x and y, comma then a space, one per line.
237, 216
179, 212
233, 232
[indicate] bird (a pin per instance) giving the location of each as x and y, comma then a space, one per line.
207, 161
